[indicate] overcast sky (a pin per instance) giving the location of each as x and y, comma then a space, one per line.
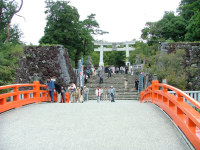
123, 19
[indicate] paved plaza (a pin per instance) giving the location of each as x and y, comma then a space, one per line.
123, 125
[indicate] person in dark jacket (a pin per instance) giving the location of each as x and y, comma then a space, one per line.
58, 89
50, 88
63, 93
109, 72
136, 84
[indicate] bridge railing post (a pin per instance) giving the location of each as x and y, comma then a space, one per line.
154, 88
16, 90
36, 91
141, 96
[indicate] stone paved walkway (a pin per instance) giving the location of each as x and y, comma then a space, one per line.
123, 125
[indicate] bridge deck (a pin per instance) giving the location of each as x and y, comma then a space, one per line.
123, 125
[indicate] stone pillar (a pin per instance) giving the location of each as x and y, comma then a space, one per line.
127, 56
101, 56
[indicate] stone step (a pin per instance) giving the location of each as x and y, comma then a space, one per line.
118, 90
118, 93
117, 96
119, 99
117, 81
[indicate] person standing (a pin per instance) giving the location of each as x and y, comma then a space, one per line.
136, 84
101, 77
101, 97
109, 72
126, 69
50, 88
98, 94
78, 94
86, 78
58, 89
105, 94
126, 84
109, 93
112, 93
63, 94
72, 89
131, 70
117, 70
85, 93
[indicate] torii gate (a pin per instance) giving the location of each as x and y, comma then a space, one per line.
114, 48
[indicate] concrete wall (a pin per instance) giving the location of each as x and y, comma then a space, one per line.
44, 61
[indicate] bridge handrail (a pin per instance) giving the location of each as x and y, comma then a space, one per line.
16, 86
181, 93
183, 115
22, 97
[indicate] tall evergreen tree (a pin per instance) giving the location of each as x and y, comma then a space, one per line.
64, 27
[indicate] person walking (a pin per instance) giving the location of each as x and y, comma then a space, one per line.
50, 88
136, 84
112, 93
88, 72
98, 94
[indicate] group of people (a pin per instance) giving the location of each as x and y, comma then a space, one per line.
77, 94
53, 85
105, 94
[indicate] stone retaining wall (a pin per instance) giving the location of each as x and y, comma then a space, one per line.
44, 61
191, 61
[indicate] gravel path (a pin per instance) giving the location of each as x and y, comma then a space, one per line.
123, 125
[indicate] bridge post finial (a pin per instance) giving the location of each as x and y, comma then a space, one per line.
154, 88
36, 89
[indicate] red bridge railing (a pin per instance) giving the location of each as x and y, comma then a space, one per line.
14, 98
183, 115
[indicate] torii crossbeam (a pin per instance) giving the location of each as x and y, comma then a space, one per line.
114, 48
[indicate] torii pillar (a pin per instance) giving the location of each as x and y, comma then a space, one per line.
101, 49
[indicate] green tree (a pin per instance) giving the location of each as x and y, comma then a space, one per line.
193, 28
170, 27
188, 8
168, 66
142, 51
8, 33
64, 27
9, 58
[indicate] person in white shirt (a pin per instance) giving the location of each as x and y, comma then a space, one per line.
72, 89
98, 94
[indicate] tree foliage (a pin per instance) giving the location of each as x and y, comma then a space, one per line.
9, 33
9, 58
193, 28
64, 27
168, 66
182, 27
188, 8
170, 27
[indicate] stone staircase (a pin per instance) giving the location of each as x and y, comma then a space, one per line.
117, 81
